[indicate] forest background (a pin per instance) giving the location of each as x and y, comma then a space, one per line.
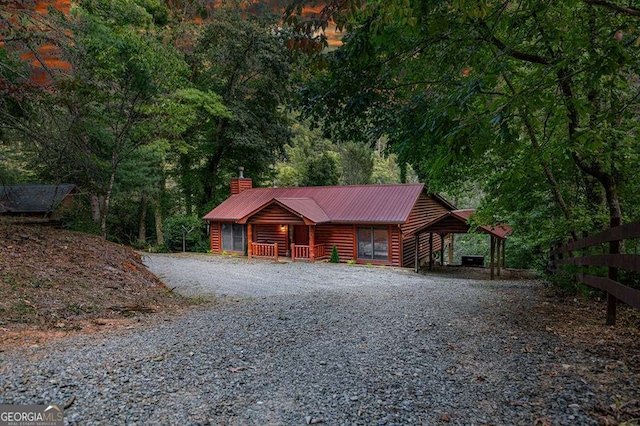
525, 110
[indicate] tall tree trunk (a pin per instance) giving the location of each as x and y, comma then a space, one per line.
107, 203
606, 179
211, 180
94, 201
546, 168
157, 214
142, 223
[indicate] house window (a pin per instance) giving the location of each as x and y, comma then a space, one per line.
233, 237
373, 243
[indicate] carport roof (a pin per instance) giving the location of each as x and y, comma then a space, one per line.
456, 222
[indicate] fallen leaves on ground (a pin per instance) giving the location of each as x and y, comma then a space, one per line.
54, 282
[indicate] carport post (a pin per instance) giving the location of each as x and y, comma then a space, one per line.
493, 252
430, 251
451, 242
498, 257
504, 257
417, 257
441, 249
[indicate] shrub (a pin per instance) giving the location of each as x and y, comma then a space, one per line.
334, 255
196, 240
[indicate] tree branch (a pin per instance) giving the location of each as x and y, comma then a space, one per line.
523, 56
632, 11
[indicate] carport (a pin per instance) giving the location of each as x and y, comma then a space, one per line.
457, 222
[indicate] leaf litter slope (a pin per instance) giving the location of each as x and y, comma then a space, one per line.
54, 279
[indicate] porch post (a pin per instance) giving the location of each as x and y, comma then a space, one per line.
312, 243
293, 252
430, 251
451, 248
249, 240
441, 249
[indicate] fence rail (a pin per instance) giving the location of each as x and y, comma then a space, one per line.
613, 260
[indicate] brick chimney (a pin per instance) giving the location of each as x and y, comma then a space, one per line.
240, 183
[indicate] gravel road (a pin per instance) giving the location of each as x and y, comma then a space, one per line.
329, 344
201, 275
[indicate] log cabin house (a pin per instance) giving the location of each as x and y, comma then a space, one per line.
367, 223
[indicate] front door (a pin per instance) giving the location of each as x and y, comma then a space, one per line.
301, 235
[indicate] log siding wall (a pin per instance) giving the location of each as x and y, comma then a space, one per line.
425, 210
342, 236
214, 237
271, 234
277, 215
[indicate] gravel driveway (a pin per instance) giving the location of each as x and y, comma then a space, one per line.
201, 275
330, 344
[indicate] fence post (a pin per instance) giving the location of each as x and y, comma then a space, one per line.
612, 301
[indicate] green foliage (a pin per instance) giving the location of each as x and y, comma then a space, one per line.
334, 255
79, 219
540, 117
322, 170
174, 229
356, 161
245, 61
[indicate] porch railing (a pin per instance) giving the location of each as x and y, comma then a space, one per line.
319, 251
299, 252
264, 250
302, 252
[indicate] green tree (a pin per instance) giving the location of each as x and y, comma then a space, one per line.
97, 116
356, 161
322, 170
244, 60
538, 111
305, 146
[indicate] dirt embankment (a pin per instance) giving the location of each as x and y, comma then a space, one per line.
54, 281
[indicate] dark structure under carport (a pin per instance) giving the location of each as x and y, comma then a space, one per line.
457, 222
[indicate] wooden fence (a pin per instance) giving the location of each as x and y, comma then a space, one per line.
573, 254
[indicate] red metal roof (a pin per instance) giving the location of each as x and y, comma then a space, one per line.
337, 204
307, 207
501, 231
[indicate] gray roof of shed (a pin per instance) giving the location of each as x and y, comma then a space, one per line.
33, 198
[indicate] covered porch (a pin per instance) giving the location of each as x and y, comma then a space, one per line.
294, 241
286, 227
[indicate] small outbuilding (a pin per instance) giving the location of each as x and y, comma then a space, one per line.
367, 223
36, 200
